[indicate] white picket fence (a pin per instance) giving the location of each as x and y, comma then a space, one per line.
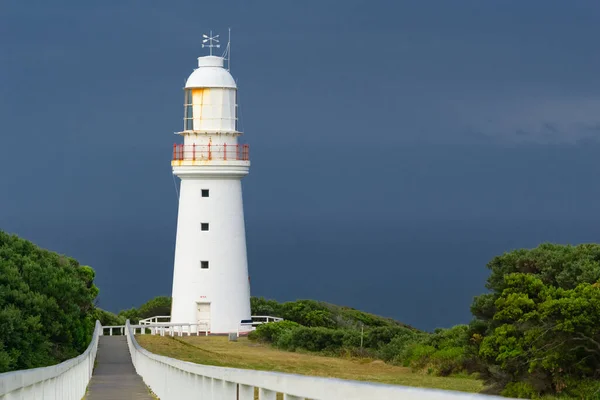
172, 379
65, 381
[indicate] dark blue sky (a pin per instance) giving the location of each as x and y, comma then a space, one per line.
396, 146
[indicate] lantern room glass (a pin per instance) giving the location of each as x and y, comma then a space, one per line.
188, 121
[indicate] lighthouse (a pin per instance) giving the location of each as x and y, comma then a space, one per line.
211, 287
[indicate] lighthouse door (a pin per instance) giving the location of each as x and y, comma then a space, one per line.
203, 317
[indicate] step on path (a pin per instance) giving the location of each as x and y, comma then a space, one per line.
114, 377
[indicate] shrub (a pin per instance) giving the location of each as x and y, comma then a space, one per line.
417, 355
449, 360
582, 389
318, 318
307, 313
376, 338
315, 339
271, 331
46, 305
107, 318
520, 390
160, 305
320, 314
539, 318
395, 350
132, 314
262, 306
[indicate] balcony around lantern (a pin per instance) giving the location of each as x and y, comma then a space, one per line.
222, 154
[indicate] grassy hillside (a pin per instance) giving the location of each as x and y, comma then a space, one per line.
217, 350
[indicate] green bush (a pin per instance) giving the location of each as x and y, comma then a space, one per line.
376, 338
158, 306
284, 340
307, 313
270, 332
46, 305
449, 360
132, 314
520, 390
107, 318
418, 355
262, 306
395, 350
314, 339
581, 389
366, 319
539, 322
320, 314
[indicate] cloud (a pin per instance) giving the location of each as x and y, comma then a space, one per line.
532, 119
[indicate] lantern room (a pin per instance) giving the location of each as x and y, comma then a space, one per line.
210, 98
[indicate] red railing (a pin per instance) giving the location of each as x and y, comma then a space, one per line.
193, 152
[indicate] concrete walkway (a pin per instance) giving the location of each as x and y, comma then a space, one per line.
114, 377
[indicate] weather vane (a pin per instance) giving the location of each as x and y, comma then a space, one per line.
212, 41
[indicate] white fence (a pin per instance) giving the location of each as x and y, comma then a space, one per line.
263, 319
164, 321
65, 381
172, 379
167, 328
155, 320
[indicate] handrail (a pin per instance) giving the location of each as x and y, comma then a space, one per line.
223, 152
172, 379
67, 380
151, 320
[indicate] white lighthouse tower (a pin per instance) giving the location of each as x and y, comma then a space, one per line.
210, 279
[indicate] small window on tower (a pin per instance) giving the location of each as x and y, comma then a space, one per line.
204, 192
204, 226
204, 264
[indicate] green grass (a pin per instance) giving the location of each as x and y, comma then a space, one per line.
217, 350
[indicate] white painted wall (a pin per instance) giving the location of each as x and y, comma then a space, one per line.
65, 381
225, 284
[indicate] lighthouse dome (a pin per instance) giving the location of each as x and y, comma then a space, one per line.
210, 74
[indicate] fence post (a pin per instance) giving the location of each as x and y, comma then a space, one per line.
225, 152
246, 392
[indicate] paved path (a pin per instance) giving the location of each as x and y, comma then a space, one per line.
114, 377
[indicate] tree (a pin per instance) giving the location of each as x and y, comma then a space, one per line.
46, 305
158, 306
262, 306
538, 330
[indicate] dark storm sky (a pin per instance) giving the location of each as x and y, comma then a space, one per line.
396, 146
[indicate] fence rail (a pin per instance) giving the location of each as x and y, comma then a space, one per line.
222, 152
155, 319
65, 381
172, 379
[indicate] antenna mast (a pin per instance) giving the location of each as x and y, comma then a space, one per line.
227, 52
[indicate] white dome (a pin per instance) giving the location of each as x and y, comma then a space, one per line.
210, 74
